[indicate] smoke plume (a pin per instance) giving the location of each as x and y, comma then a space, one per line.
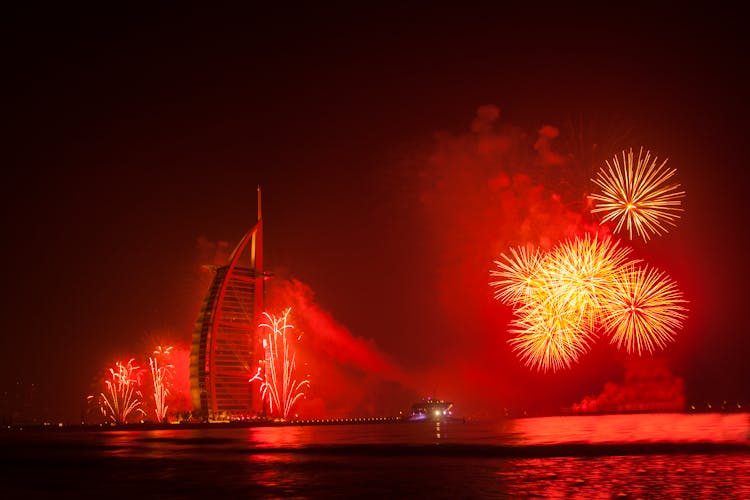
349, 375
648, 386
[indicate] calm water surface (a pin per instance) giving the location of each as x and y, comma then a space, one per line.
608, 456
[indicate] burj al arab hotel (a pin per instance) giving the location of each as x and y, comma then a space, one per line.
225, 347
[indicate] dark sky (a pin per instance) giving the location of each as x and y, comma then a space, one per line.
133, 134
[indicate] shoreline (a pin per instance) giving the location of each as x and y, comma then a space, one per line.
252, 423
48, 427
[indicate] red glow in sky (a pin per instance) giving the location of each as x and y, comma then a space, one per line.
399, 153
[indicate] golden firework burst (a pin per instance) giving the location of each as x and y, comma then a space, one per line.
644, 310
635, 194
517, 276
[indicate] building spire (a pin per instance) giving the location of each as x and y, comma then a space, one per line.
259, 212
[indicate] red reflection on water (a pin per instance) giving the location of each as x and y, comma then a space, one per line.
658, 476
158, 443
285, 436
634, 428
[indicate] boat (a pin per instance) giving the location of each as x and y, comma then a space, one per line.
433, 410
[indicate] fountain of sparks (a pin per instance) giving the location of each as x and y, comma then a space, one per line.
279, 388
122, 398
161, 375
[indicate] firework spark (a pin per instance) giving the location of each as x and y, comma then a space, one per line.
579, 272
122, 397
644, 310
564, 297
547, 336
557, 298
636, 197
517, 276
162, 379
278, 386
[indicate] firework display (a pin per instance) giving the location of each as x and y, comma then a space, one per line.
579, 271
563, 298
635, 196
122, 397
161, 376
644, 310
584, 286
279, 389
547, 335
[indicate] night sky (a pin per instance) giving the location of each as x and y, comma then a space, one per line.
136, 140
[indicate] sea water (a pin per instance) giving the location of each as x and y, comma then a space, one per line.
604, 456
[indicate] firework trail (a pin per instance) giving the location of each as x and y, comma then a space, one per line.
122, 397
644, 310
162, 379
636, 197
278, 385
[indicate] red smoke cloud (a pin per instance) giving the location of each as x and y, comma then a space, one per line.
329, 337
179, 399
482, 192
649, 386
349, 375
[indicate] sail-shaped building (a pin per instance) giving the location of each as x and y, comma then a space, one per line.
223, 354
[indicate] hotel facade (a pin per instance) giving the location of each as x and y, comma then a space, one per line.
225, 347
